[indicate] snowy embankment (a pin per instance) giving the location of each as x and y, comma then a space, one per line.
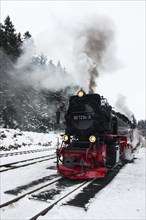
17, 140
123, 198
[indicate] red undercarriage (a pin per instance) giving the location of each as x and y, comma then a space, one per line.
86, 163
78, 173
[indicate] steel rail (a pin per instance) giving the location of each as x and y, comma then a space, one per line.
44, 211
21, 161
24, 165
26, 152
32, 191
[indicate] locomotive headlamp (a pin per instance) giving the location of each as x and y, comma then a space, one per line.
92, 139
65, 138
80, 93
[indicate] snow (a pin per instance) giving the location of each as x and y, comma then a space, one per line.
25, 140
123, 198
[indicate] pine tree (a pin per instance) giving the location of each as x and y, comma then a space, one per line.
10, 41
2, 35
28, 46
27, 35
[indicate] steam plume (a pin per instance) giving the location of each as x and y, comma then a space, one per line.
121, 106
93, 44
40, 77
90, 50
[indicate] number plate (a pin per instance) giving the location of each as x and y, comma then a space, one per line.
82, 117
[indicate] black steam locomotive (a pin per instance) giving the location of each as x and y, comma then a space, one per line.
95, 138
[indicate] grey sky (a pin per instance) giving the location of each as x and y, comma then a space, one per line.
53, 25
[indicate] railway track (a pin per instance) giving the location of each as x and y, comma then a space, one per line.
82, 199
22, 163
49, 187
61, 198
26, 152
63, 191
27, 193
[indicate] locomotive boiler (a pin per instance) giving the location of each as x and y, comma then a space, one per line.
95, 137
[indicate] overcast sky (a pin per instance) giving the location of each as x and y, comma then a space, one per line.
54, 24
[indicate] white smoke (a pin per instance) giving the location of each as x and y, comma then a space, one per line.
121, 106
137, 138
40, 77
29, 51
86, 48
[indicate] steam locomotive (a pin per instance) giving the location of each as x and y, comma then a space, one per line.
95, 138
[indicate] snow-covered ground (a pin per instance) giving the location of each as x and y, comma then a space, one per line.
123, 198
14, 140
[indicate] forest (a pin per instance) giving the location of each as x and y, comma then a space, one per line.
27, 102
